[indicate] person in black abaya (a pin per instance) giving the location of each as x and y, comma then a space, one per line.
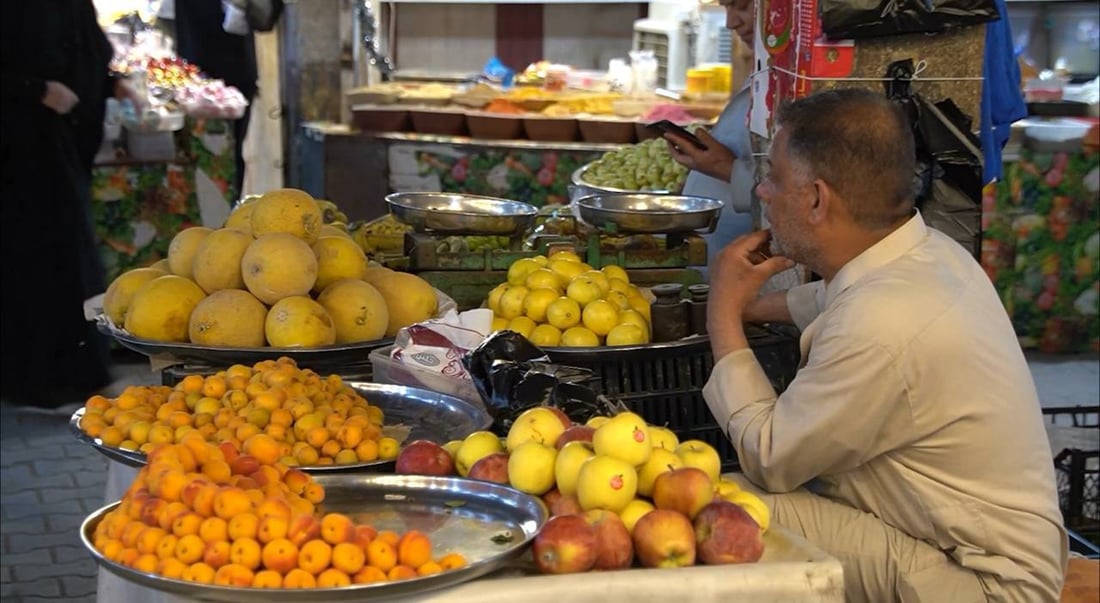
54, 64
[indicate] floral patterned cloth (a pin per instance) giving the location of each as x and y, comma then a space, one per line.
1041, 248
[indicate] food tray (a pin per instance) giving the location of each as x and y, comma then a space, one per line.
327, 355
583, 188
429, 415
649, 212
490, 524
458, 213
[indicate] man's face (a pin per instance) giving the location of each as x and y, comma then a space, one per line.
787, 193
740, 18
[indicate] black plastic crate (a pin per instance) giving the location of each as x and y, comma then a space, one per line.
664, 382
1077, 467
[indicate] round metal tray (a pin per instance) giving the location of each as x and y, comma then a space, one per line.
582, 188
490, 524
429, 415
459, 213
649, 213
324, 356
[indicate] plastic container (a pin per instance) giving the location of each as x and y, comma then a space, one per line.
1072, 433
388, 370
377, 119
607, 130
551, 129
495, 126
444, 123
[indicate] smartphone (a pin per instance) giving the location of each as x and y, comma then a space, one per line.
667, 126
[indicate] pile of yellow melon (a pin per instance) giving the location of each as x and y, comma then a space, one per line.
275, 275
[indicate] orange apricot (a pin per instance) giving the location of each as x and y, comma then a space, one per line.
189, 548
280, 555
200, 573
401, 572
369, 574
333, 578
245, 552
429, 568
452, 561
381, 554
348, 557
233, 574
314, 556
337, 528
414, 549
299, 578
267, 579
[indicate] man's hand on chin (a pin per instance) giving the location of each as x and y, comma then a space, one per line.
739, 271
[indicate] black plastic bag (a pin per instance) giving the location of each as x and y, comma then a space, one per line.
874, 18
512, 375
949, 161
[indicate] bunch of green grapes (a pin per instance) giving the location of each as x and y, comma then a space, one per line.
478, 243
646, 166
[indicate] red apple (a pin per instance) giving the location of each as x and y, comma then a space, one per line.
491, 468
565, 545
725, 533
615, 549
560, 504
424, 457
565, 420
303, 528
574, 432
686, 490
664, 538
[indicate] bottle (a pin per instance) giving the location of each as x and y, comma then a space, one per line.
698, 303
669, 315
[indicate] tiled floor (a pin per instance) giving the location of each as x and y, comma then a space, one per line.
49, 482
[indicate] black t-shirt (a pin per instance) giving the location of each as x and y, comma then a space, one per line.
201, 40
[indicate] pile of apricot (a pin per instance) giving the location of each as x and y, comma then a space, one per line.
209, 514
291, 415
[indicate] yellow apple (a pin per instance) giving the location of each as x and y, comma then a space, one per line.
475, 447
596, 421
452, 447
567, 467
699, 454
539, 424
606, 482
626, 437
531, 467
660, 461
633, 511
662, 437
753, 505
726, 487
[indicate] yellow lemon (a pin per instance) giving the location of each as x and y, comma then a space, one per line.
542, 278
545, 336
626, 334
579, 337
641, 306
522, 325
613, 271
583, 290
541, 259
633, 317
511, 302
566, 270
494, 297
618, 284
600, 316
565, 254
618, 299
518, 271
600, 279
536, 303
499, 323
563, 313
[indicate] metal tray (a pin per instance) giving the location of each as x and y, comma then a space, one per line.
582, 188
324, 356
490, 524
459, 213
429, 415
649, 213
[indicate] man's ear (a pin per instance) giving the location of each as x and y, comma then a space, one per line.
824, 201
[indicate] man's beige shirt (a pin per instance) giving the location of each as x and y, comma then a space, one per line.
914, 403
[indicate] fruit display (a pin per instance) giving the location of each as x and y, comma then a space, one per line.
645, 166
618, 490
272, 411
276, 274
216, 515
561, 301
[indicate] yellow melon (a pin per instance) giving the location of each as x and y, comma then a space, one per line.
161, 309
337, 259
241, 216
358, 310
278, 265
287, 210
162, 265
229, 317
298, 321
334, 230
217, 263
116, 301
375, 272
182, 249
409, 299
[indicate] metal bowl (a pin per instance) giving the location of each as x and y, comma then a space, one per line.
649, 213
459, 213
582, 188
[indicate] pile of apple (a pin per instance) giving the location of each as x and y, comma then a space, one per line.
616, 487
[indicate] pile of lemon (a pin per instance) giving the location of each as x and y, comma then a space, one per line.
275, 274
562, 301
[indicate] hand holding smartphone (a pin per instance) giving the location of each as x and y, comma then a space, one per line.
667, 126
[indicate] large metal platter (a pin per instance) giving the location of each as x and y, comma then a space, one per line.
429, 415
459, 213
488, 523
650, 213
328, 355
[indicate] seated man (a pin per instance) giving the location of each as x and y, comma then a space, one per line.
913, 423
